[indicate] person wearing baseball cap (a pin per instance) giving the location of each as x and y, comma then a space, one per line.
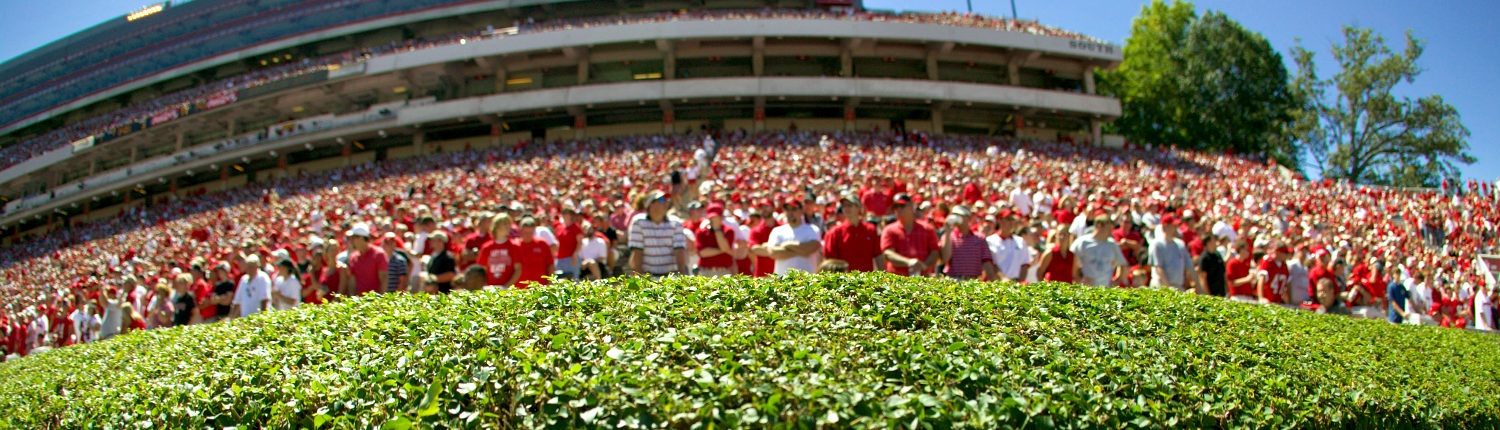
1100, 261
908, 246
715, 244
1011, 254
1171, 263
794, 245
854, 240
253, 295
658, 245
368, 264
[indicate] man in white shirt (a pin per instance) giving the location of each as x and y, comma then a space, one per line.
594, 253
85, 324
1010, 252
254, 292
793, 245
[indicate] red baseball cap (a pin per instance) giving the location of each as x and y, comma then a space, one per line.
1169, 220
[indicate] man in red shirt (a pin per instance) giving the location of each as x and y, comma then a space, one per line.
201, 291
501, 267
760, 232
569, 235
1323, 270
854, 241
534, 257
1274, 278
876, 198
908, 246
714, 244
1238, 276
476, 240
367, 262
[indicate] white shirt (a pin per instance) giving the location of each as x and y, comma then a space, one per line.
1009, 254
113, 315
1299, 281
251, 292
288, 286
35, 333
1482, 311
786, 234
543, 233
1021, 201
593, 248
83, 325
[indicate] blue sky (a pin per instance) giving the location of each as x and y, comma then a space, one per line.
1461, 61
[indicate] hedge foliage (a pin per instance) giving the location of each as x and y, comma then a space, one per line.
862, 350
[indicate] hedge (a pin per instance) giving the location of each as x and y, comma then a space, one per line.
861, 350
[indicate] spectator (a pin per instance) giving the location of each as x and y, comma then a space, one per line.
286, 290
1059, 262
85, 324
185, 303
966, 255
223, 292
715, 244
1299, 276
113, 319
1010, 251
1170, 262
1398, 312
657, 243
442, 266
161, 306
1213, 276
854, 240
908, 246
1272, 277
253, 295
499, 257
1100, 260
398, 268
367, 263
1241, 279
534, 257
569, 237
595, 253
794, 245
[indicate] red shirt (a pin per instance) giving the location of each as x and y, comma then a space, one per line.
498, 259
704, 239
476, 240
1319, 272
1277, 279
878, 202
918, 244
759, 235
567, 240
856, 243
1236, 268
366, 266
201, 291
536, 261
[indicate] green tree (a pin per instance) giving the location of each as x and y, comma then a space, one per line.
1202, 82
1365, 134
1146, 81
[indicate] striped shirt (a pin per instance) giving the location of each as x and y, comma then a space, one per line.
657, 240
969, 254
395, 270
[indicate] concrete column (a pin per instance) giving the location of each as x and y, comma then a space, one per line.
846, 61
1088, 80
758, 57
135, 154
234, 125
580, 124
849, 118
181, 140
495, 132
1097, 132
760, 113
937, 121
583, 69
668, 118
1013, 73
932, 65
418, 142
668, 58
500, 78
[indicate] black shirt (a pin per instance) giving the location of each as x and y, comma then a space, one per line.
183, 307
223, 288
1212, 264
442, 263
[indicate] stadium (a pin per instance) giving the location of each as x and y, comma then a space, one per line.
410, 77
175, 179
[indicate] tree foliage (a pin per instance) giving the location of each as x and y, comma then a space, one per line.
1355, 128
1202, 82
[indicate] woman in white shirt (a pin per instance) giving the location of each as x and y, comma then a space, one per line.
286, 286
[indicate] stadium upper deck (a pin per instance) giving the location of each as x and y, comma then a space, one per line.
538, 70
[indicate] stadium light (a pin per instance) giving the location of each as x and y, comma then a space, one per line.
145, 11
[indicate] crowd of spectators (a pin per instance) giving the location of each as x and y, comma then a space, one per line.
755, 204
138, 113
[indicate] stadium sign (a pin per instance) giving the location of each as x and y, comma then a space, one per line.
1084, 45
